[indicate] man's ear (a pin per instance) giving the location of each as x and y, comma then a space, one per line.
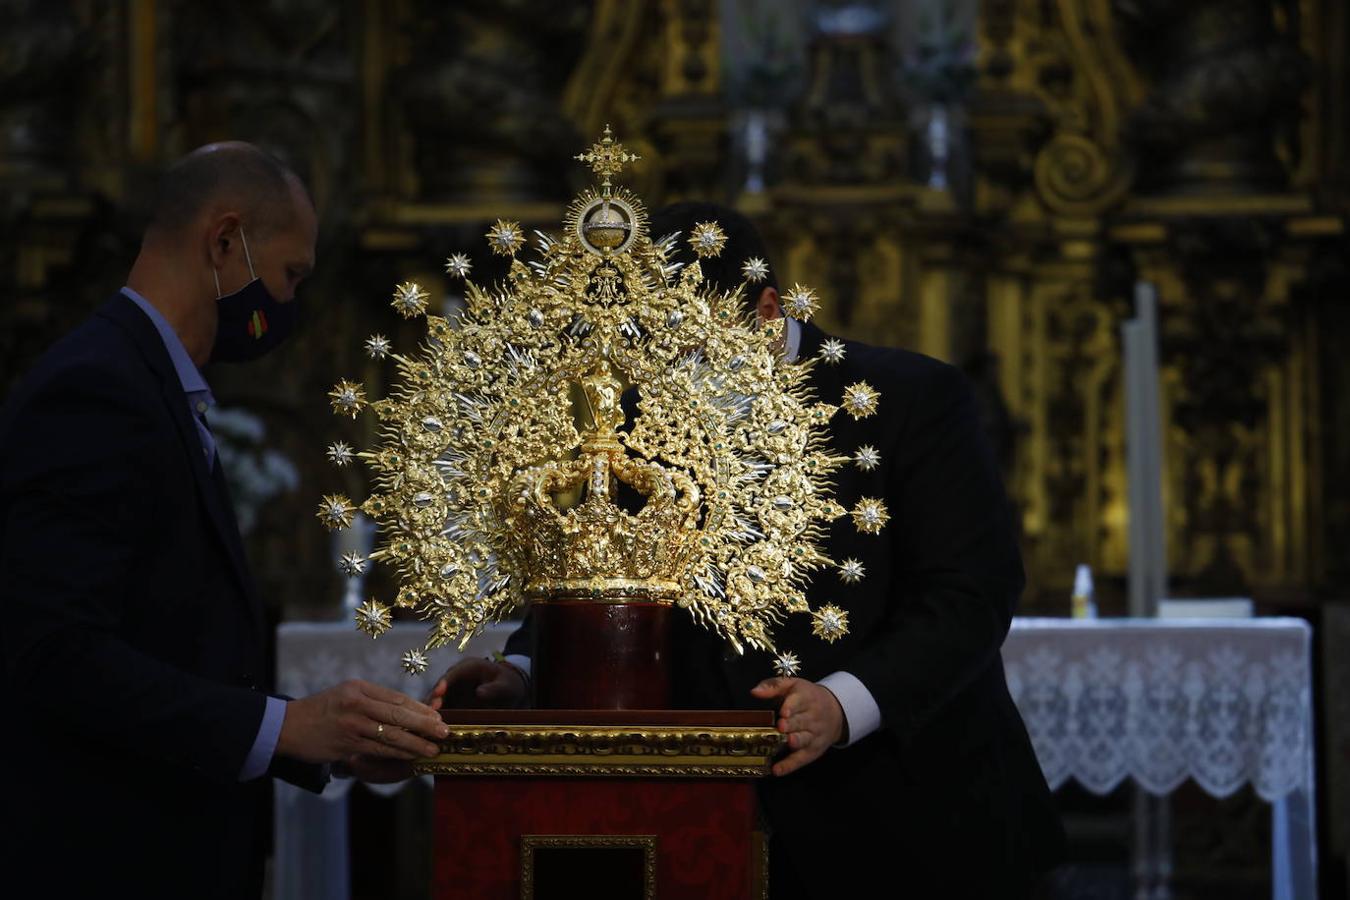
221, 236
767, 305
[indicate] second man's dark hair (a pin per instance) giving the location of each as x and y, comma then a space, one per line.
743, 242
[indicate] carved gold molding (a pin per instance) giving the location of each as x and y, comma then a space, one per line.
531, 842
677, 768
570, 750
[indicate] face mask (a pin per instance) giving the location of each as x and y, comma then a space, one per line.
251, 322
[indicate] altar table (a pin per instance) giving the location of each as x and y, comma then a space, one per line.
1221, 702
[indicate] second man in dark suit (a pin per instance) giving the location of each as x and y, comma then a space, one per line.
908, 764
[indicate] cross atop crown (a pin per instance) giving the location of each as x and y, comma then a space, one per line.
607, 158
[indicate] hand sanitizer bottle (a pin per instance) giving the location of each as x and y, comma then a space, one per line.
1082, 604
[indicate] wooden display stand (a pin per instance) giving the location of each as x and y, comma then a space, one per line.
602, 804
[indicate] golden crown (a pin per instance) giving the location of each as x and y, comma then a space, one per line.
507, 469
596, 550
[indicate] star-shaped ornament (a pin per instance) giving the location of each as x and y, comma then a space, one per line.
414, 662
867, 458
870, 516
377, 346
373, 618
505, 237
851, 571
707, 239
860, 400
787, 665
339, 454
755, 270
335, 511
832, 351
352, 564
410, 300
830, 623
347, 397
800, 303
458, 265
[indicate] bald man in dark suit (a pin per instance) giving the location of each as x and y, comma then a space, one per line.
142, 729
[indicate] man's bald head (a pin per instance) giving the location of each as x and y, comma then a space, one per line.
233, 174
212, 205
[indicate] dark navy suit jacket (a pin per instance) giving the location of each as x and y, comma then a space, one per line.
132, 636
947, 798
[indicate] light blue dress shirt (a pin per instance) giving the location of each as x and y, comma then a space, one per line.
199, 399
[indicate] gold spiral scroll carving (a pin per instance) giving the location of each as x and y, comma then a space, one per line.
1074, 176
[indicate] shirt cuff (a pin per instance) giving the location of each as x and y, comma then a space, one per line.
265, 744
520, 662
861, 713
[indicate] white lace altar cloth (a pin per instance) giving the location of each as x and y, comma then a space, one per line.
1225, 703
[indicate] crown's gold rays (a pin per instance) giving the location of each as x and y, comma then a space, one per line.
518, 402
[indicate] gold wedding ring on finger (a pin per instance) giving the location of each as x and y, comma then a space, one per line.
379, 733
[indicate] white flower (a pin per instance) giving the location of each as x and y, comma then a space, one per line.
255, 472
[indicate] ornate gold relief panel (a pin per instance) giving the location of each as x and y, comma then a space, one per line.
867, 268
467, 104
463, 103
1167, 135
1054, 89
1236, 373
1061, 374
652, 70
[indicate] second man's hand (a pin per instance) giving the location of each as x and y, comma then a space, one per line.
808, 714
479, 683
